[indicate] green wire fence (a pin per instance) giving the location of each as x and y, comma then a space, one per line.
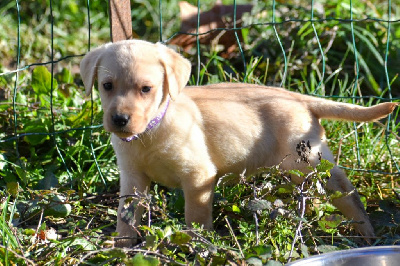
15, 137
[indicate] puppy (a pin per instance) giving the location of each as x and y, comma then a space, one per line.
188, 138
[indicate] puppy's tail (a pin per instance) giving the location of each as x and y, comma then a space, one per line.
344, 111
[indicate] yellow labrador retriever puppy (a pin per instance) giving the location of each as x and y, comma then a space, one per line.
188, 138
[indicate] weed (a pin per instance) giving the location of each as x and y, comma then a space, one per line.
58, 175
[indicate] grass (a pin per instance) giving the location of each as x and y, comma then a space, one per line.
58, 192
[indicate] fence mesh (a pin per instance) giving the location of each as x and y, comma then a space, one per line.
40, 121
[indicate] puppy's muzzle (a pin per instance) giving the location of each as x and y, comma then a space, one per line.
120, 120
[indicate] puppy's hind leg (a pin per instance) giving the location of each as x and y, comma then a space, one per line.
349, 203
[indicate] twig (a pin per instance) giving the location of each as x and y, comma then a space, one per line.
397, 194
255, 212
149, 213
390, 131
313, 240
17, 255
302, 209
256, 223
91, 220
40, 222
234, 237
127, 250
361, 237
26, 220
18, 241
198, 236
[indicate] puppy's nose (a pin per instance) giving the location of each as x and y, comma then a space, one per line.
120, 120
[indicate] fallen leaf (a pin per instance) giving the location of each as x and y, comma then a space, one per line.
219, 16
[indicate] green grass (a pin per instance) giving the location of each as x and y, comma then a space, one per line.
58, 192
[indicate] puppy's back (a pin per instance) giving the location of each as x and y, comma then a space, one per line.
256, 95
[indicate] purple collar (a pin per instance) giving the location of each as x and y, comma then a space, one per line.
154, 122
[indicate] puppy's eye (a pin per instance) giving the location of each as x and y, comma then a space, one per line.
146, 89
108, 86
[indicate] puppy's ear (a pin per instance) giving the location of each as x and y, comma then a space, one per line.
177, 70
88, 68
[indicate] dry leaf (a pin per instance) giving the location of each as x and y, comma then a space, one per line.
220, 16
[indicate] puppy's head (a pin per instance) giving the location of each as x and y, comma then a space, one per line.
134, 80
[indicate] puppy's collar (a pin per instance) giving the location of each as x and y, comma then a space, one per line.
154, 122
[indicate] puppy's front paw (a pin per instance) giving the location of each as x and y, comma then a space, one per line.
127, 237
124, 242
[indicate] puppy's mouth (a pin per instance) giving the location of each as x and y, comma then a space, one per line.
123, 135
125, 132
126, 136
